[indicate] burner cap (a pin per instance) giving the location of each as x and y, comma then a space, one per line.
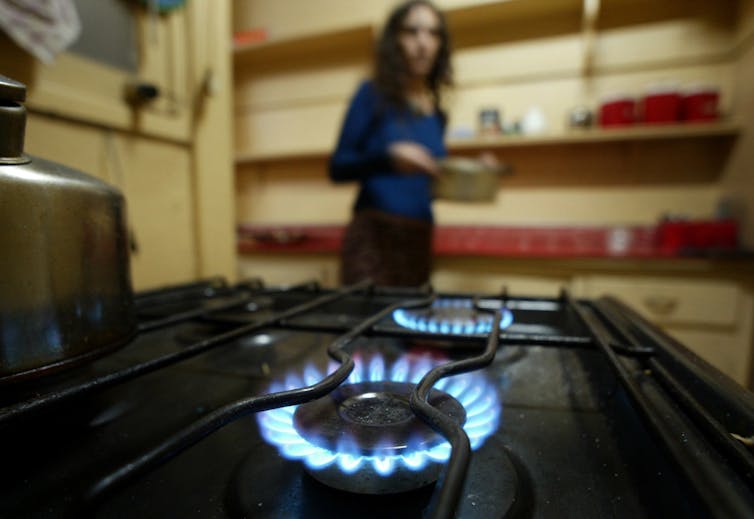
374, 420
375, 417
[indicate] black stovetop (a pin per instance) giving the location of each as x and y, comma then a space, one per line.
584, 424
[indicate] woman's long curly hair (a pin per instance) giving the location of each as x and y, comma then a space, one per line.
391, 74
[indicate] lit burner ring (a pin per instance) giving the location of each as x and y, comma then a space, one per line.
451, 316
376, 416
378, 422
382, 463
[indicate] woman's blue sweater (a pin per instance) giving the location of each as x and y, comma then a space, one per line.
370, 126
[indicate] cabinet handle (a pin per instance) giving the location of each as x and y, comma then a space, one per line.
661, 305
133, 244
138, 93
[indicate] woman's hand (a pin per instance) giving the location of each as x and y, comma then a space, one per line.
410, 157
489, 160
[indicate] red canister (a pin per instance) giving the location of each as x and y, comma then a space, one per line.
700, 104
697, 235
661, 104
618, 110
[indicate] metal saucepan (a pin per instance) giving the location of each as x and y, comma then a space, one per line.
464, 179
65, 289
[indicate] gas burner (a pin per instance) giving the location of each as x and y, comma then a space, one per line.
455, 316
374, 420
364, 438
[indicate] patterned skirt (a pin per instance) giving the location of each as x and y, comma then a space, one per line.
390, 250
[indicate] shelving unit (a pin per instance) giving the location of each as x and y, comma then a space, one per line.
474, 24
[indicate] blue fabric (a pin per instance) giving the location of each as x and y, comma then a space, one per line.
370, 126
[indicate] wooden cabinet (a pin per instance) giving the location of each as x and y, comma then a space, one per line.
670, 301
707, 306
712, 317
485, 276
80, 88
282, 269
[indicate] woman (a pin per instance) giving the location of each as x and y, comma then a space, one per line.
389, 142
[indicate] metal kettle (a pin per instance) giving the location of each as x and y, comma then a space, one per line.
65, 287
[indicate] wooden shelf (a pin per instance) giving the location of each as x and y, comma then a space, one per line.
279, 156
509, 11
599, 135
574, 137
287, 49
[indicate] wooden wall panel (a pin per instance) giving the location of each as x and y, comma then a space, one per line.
158, 189
155, 178
300, 192
212, 165
292, 192
292, 129
265, 89
738, 180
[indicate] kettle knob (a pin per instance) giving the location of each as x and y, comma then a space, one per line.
12, 90
12, 121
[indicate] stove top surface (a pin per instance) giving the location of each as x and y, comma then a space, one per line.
560, 434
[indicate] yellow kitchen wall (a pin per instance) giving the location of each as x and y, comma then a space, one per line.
153, 176
738, 180
514, 58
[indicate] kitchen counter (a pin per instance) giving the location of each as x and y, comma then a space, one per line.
705, 301
636, 242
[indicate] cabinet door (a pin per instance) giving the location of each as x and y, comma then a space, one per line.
289, 270
157, 184
730, 352
711, 318
671, 301
483, 282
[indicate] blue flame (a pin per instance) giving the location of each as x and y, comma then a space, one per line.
441, 319
477, 396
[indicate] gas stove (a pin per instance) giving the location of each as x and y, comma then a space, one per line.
253, 401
